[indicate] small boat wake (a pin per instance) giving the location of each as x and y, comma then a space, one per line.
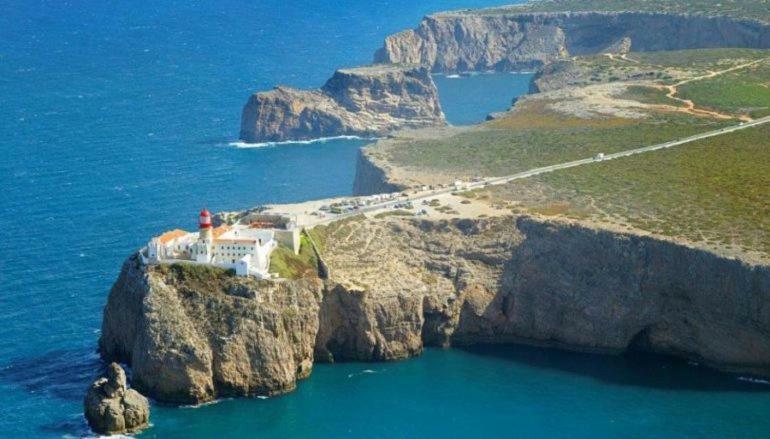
754, 380
241, 144
364, 372
204, 404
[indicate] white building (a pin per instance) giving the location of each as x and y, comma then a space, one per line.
245, 249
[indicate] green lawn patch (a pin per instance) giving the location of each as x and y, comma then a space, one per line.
287, 265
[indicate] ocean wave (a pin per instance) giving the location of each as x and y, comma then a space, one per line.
753, 380
241, 144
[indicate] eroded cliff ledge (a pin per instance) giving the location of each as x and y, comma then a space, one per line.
364, 101
510, 41
400, 284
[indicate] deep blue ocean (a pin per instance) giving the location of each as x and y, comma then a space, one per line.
116, 120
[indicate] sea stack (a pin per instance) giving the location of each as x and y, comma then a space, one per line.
112, 408
363, 101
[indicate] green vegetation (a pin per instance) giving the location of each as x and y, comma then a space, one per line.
744, 91
318, 235
397, 212
185, 271
534, 136
649, 95
716, 190
700, 59
344, 227
447, 210
197, 277
759, 9
287, 265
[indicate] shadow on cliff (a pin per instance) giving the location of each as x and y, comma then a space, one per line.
637, 369
571, 286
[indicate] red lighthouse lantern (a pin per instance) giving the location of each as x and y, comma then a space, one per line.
204, 221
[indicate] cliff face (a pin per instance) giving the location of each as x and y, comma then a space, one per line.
511, 281
371, 179
451, 42
598, 290
397, 285
192, 335
365, 101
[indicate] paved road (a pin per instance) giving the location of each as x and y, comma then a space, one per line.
537, 171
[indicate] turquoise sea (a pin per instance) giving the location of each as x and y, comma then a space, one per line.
116, 122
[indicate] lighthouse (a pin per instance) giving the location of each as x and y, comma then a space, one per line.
204, 226
202, 250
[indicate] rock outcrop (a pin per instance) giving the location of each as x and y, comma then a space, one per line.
561, 74
365, 101
397, 285
193, 334
112, 408
509, 41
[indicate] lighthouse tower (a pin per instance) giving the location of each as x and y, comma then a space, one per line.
203, 249
204, 226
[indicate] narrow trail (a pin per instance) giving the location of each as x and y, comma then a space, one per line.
623, 56
689, 106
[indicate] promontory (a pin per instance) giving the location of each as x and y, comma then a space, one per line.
364, 101
621, 206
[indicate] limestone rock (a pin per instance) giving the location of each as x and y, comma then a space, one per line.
112, 408
509, 280
364, 101
509, 40
399, 284
189, 340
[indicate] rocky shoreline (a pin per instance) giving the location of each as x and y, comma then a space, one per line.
193, 337
397, 92
395, 285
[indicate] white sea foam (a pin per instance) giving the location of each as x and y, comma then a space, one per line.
753, 380
452, 76
240, 144
204, 404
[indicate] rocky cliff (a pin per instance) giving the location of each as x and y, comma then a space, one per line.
479, 41
371, 178
365, 101
192, 334
398, 285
